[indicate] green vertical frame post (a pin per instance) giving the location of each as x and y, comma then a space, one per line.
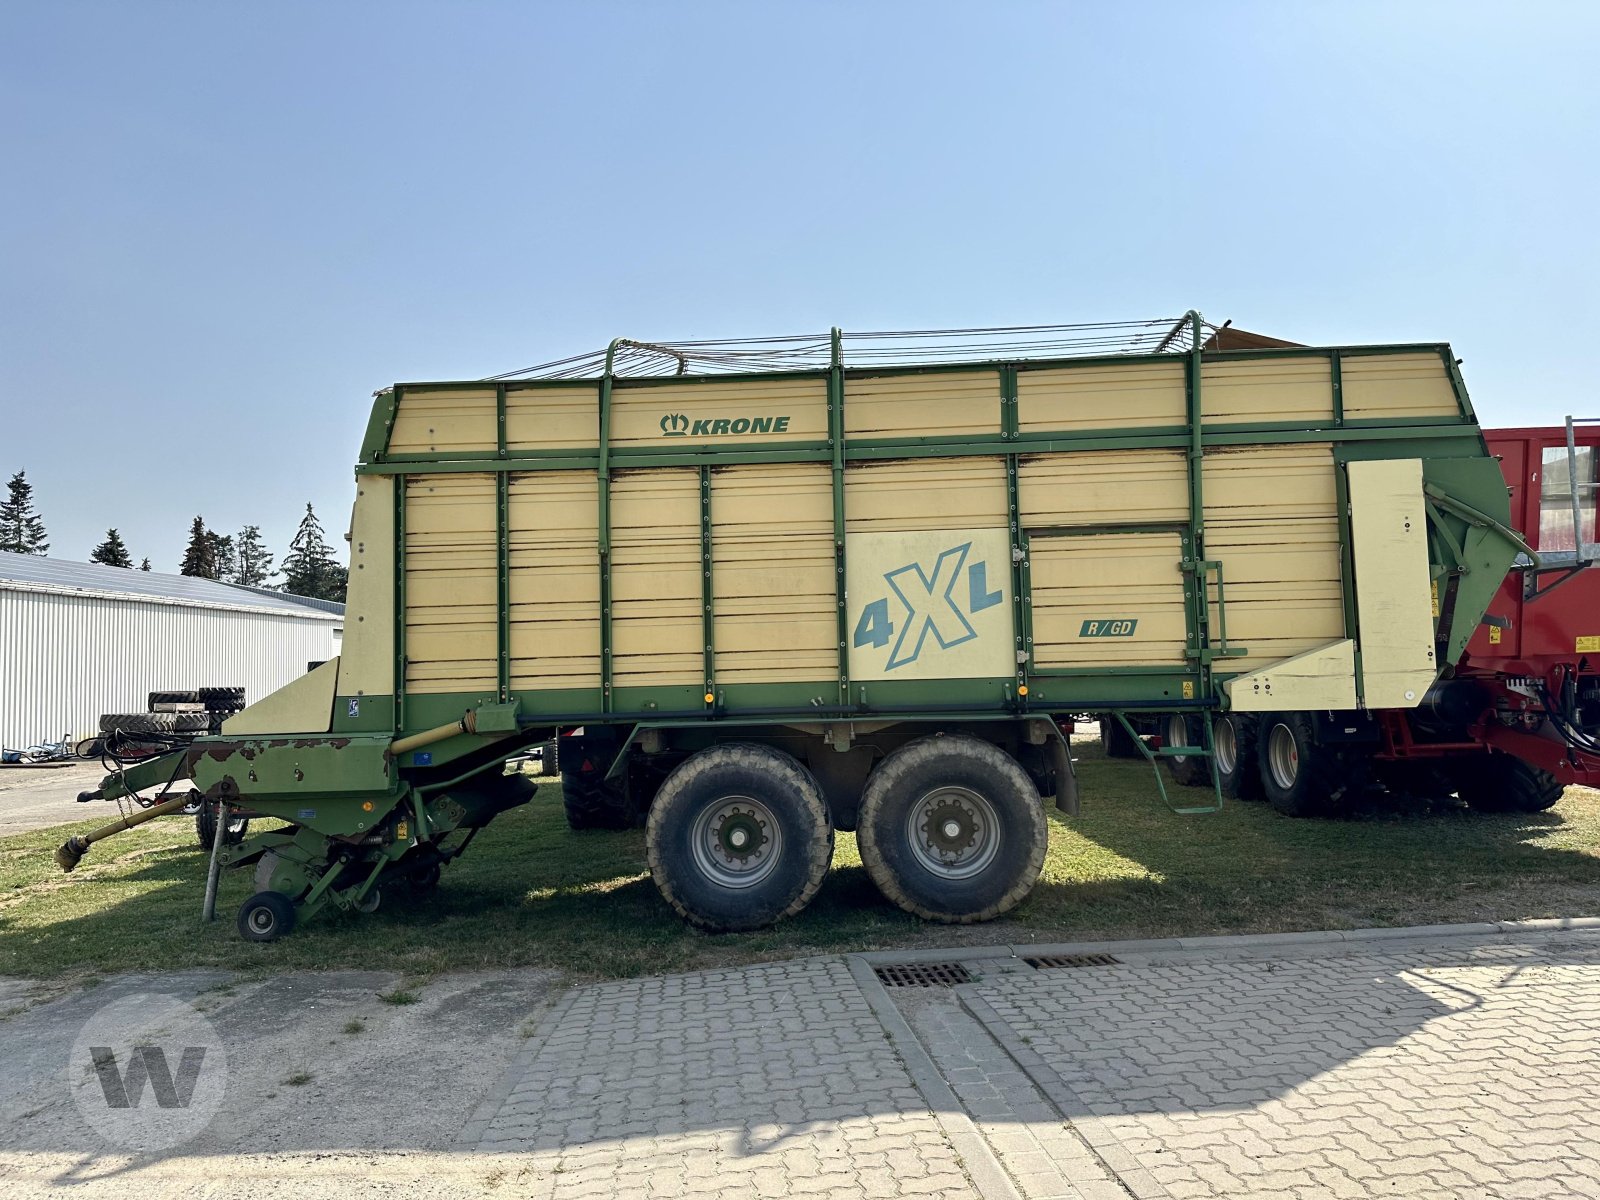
1198, 579
707, 615
1347, 566
1021, 601
1336, 378
603, 476
836, 445
400, 484
502, 521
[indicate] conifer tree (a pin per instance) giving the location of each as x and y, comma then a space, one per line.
145, 565
113, 552
200, 556
253, 565
309, 569
21, 528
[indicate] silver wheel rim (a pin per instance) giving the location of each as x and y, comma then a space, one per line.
737, 842
953, 832
262, 920
1224, 746
1283, 757
1177, 735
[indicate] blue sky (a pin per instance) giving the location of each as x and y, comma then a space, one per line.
222, 226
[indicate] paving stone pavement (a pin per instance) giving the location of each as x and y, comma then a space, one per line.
1447, 1067
1045, 1157
1465, 1069
771, 1081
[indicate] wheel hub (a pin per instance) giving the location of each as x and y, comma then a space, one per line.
1225, 747
1177, 736
1283, 757
737, 842
953, 832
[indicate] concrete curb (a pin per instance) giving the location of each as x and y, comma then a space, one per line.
1245, 941
983, 1168
471, 1134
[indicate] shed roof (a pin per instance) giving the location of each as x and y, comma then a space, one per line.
35, 573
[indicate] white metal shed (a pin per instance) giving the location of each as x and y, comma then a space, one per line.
78, 640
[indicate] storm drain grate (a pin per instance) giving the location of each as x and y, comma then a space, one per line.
1044, 962
946, 974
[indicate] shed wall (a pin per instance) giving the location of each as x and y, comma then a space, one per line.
64, 660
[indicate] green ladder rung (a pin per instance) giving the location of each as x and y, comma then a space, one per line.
1150, 757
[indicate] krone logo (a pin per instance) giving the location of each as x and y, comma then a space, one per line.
675, 425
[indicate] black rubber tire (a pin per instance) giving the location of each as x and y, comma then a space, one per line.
221, 699
1498, 783
902, 779
1241, 780
1114, 739
1190, 770
191, 722
140, 722
156, 698
592, 802
710, 778
1315, 779
205, 827
424, 880
266, 917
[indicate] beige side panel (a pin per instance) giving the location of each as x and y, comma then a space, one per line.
444, 421
1281, 579
655, 578
1103, 487
367, 654
1272, 521
773, 578
1396, 385
1127, 588
932, 405
1122, 396
1324, 678
705, 414
1281, 483
945, 494
1266, 389
303, 706
1394, 592
452, 593
553, 418
552, 524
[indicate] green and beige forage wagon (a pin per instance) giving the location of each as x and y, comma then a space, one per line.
767, 590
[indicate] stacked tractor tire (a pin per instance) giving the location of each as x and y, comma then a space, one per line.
175, 714
175, 717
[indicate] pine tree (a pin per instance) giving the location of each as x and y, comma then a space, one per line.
113, 552
21, 529
200, 556
222, 554
145, 565
253, 566
309, 569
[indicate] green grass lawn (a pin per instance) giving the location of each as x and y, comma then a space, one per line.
532, 893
